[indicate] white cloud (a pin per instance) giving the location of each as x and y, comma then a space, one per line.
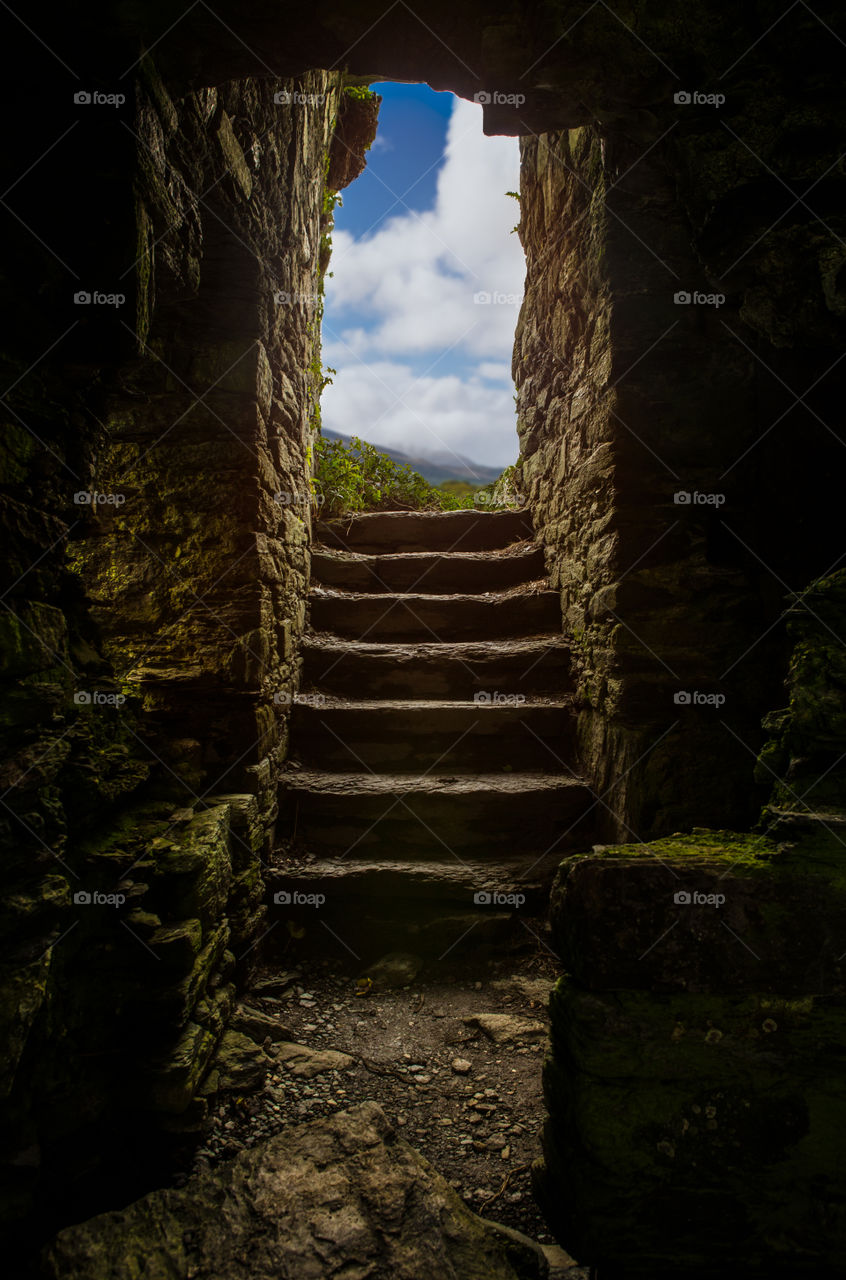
493, 371
386, 402
409, 291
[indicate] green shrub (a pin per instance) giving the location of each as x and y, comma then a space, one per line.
360, 92
358, 477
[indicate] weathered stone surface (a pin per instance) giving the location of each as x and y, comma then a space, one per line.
389, 531
708, 1106
302, 1061
147, 629
394, 882
664, 596
397, 969
422, 617
466, 811
178, 1077
354, 132
506, 1028
258, 1025
454, 669
239, 1063
711, 911
514, 733
458, 572
341, 1196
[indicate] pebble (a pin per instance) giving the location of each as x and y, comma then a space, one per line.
465, 1133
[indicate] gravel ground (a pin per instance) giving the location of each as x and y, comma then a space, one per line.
470, 1103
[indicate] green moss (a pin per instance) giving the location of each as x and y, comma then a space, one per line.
17, 449
746, 851
802, 760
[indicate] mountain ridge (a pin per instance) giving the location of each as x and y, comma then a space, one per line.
432, 468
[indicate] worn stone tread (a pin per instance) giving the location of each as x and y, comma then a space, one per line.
426, 530
432, 572
503, 647
333, 702
408, 736
421, 877
319, 781
422, 669
421, 616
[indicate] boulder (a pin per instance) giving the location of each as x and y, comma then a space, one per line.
340, 1196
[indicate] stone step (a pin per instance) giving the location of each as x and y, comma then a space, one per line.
382, 531
432, 617
423, 906
456, 572
433, 816
404, 736
533, 667
460, 885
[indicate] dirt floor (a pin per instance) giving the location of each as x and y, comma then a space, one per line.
466, 1095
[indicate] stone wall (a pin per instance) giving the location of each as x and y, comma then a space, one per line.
693, 1083
155, 492
628, 398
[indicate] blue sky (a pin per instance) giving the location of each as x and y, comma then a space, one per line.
426, 285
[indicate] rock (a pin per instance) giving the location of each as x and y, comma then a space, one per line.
506, 1028
302, 1061
342, 1195
241, 1063
461, 1066
396, 969
257, 1025
558, 1259
275, 985
534, 990
525, 1255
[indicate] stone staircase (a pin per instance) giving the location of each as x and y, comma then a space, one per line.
431, 734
